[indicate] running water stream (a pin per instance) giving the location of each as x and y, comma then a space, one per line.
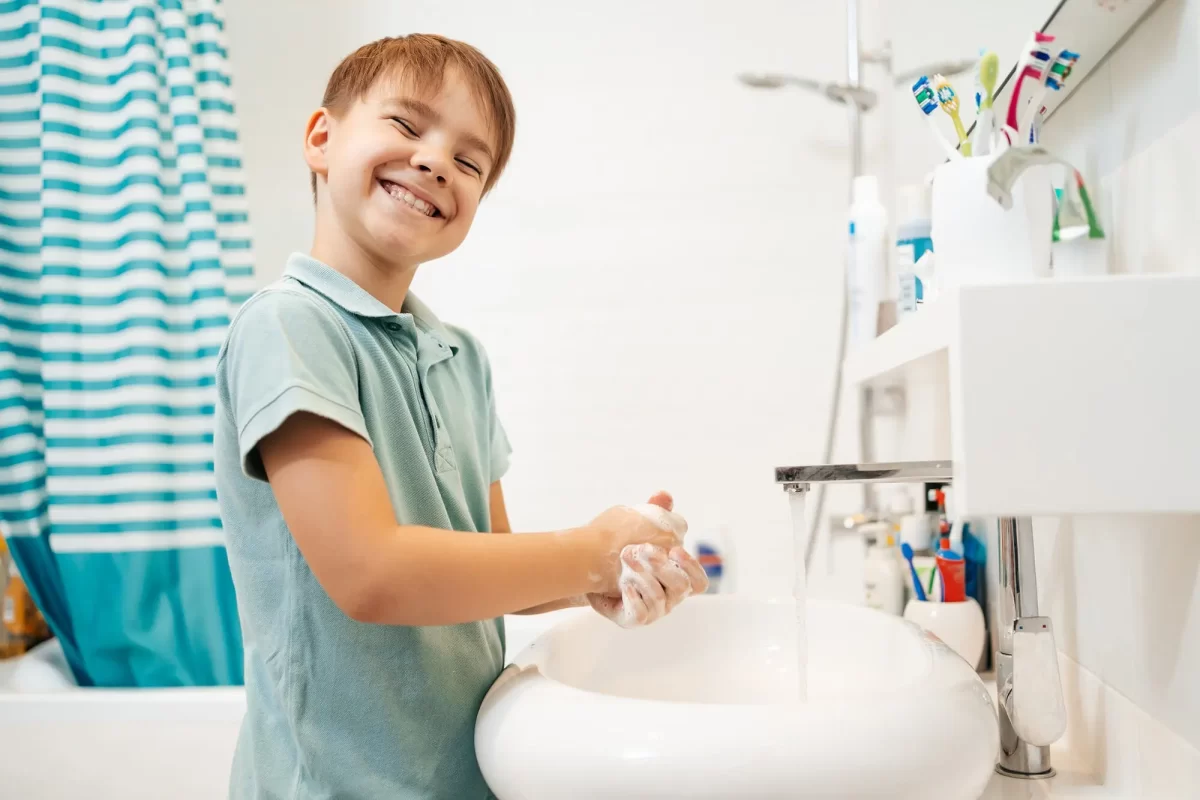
799, 589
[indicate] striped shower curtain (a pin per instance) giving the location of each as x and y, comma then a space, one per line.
124, 248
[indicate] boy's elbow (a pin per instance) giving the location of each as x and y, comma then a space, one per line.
361, 601
376, 602
361, 606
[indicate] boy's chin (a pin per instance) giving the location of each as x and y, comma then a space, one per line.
402, 247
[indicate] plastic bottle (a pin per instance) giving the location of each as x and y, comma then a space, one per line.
913, 239
867, 266
917, 531
714, 549
883, 575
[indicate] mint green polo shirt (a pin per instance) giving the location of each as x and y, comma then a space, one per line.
338, 708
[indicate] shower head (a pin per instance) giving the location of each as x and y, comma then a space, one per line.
841, 93
776, 80
949, 67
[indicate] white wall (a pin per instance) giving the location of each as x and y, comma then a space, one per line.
656, 276
1125, 592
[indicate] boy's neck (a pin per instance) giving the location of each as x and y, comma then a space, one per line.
387, 283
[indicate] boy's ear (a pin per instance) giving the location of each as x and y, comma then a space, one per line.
316, 139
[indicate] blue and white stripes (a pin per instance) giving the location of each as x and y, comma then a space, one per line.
124, 248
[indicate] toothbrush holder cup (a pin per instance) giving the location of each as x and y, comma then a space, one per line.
976, 239
960, 626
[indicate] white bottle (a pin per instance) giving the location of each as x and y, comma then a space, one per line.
884, 576
867, 263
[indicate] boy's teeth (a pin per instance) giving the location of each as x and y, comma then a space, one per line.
399, 193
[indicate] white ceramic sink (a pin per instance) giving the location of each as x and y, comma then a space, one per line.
703, 704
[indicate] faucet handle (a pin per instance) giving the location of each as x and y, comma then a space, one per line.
1035, 698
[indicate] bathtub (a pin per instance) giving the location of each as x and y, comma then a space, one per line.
58, 741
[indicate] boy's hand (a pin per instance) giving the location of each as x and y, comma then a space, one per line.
653, 578
652, 584
622, 526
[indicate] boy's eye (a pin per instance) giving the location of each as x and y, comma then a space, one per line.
473, 167
405, 125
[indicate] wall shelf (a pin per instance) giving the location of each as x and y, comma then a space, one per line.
1071, 396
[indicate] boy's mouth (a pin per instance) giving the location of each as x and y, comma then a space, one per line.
405, 196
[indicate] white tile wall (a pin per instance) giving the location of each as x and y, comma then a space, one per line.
1125, 591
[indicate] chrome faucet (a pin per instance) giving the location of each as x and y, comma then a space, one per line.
1028, 687
1032, 714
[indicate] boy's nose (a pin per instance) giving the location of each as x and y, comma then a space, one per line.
433, 164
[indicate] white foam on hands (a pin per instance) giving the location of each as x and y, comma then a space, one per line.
663, 519
652, 580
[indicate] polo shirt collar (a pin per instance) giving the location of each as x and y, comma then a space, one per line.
342, 291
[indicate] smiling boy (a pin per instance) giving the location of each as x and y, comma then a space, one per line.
359, 458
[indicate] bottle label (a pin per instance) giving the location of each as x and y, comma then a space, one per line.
873, 599
908, 253
910, 292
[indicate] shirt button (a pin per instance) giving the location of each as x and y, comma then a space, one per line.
391, 326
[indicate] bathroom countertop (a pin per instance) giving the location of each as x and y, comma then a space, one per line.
1067, 782
1133, 760
1065, 785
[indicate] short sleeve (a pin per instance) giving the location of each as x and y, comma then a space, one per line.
499, 447
287, 353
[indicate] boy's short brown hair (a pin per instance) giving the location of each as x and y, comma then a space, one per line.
424, 59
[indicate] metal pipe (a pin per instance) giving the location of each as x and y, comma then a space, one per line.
1018, 580
853, 68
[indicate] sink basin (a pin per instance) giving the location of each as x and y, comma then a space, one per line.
705, 704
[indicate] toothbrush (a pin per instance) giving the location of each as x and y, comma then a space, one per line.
1034, 64
1094, 229
986, 76
927, 102
919, 590
948, 99
1055, 77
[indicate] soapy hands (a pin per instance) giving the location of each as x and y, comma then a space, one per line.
656, 574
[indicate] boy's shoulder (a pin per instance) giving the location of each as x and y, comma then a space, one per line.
281, 295
284, 306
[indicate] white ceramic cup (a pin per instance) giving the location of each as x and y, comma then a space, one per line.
976, 239
959, 625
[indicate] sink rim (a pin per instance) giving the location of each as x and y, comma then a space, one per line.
940, 665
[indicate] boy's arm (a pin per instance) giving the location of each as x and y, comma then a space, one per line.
335, 503
497, 510
500, 524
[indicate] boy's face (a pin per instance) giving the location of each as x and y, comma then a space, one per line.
404, 169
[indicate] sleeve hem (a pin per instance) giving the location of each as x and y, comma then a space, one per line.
500, 465
274, 413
